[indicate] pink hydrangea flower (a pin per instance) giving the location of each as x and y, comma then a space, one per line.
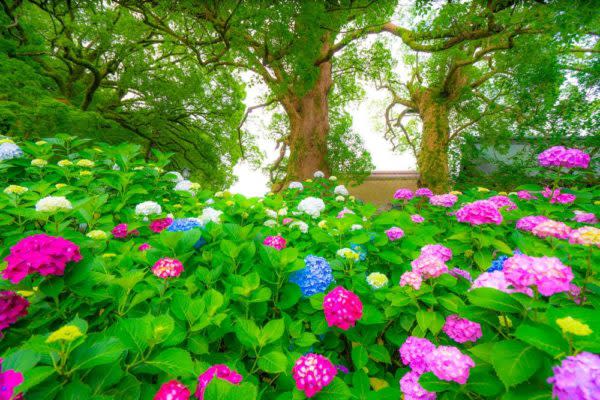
503, 201
587, 236
159, 225
41, 253
551, 228
530, 222
9, 380
461, 330
410, 278
457, 272
394, 233
287, 221
559, 156
403, 194
577, 377
12, 308
479, 212
312, 372
443, 200
219, 371
429, 266
342, 308
495, 280
121, 231
417, 219
525, 195
449, 364
276, 242
173, 390
344, 212
423, 192
585, 218
413, 352
144, 247
412, 389
437, 250
548, 274
167, 268
556, 196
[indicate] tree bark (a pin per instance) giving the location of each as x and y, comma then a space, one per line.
309, 126
432, 160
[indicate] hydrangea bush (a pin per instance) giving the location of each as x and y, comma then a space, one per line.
119, 282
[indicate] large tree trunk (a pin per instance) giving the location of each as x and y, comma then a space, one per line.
432, 160
309, 126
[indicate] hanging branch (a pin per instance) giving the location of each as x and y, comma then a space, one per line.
248, 111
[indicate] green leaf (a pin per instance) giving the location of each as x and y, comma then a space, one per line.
543, 337
379, 353
515, 362
432, 383
483, 381
494, 299
247, 332
360, 356
219, 389
174, 361
273, 362
96, 351
271, 332
336, 390
134, 333
35, 376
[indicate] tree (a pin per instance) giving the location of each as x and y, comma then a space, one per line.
480, 67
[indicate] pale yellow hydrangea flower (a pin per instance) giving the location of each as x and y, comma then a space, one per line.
60, 185
64, 163
15, 189
84, 162
38, 162
97, 235
571, 325
2, 141
482, 189
377, 280
68, 333
40, 142
85, 173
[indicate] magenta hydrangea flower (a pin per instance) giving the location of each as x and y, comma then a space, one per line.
412, 389
530, 222
342, 308
559, 156
443, 200
556, 196
394, 233
577, 378
429, 266
585, 217
449, 364
437, 250
548, 274
551, 228
42, 254
403, 194
417, 219
312, 372
144, 247
503, 201
219, 371
423, 192
9, 380
413, 352
525, 195
172, 390
12, 308
159, 225
461, 330
167, 268
276, 242
121, 231
410, 278
479, 212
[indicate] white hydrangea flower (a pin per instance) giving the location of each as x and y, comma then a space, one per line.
271, 213
341, 190
296, 213
333, 178
219, 194
116, 167
138, 168
282, 212
340, 198
312, 206
348, 254
148, 208
9, 150
356, 227
210, 201
175, 176
270, 223
319, 174
303, 226
296, 185
209, 214
187, 186
53, 204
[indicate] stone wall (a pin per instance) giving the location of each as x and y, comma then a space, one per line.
379, 188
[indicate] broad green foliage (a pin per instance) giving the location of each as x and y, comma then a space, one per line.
233, 304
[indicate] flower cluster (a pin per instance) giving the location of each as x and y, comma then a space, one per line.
556, 196
412, 389
410, 278
53, 204
585, 218
429, 266
423, 192
41, 253
121, 231
343, 212
525, 195
498, 264
9, 150
148, 208
187, 186
479, 212
413, 352
503, 201
167, 268
461, 330
348, 254
417, 219
437, 250
97, 234
377, 280
15, 189
577, 377
311, 206
183, 224
443, 200
530, 222
219, 371
296, 185
159, 225
449, 364
342, 308
276, 242
9, 380
312, 372
551, 228
394, 233
209, 214
403, 194
341, 190
315, 277
67, 333
587, 236
12, 308
172, 390
548, 274
559, 156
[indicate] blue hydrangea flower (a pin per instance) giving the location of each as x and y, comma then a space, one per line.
315, 277
9, 150
357, 248
183, 225
497, 264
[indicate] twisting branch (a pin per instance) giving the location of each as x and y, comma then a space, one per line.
243, 120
